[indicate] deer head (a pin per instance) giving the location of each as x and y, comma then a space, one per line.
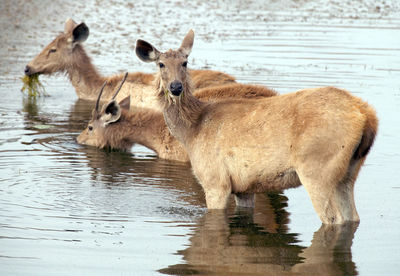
172, 65
95, 133
56, 56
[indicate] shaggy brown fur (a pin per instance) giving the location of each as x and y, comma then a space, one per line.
229, 91
65, 54
147, 127
315, 137
143, 126
207, 78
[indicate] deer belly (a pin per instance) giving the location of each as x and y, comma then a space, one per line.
264, 181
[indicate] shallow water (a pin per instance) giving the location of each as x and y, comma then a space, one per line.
69, 209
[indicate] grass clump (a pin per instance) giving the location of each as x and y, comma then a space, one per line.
32, 85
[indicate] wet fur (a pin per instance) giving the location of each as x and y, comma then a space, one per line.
316, 137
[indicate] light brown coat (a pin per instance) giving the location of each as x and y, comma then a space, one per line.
316, 137
147, 127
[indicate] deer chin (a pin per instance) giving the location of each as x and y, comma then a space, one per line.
176, 99
169, 97
42, 73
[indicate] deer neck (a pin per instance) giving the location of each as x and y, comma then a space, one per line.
83, 75
182, 114
147, 127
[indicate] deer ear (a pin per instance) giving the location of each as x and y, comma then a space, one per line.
146, 52
80, 33
125, 103
111, 112
187, 43
69, 25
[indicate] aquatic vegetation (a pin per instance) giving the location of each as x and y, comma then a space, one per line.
32, 86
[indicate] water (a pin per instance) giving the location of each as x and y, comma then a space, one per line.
68, 209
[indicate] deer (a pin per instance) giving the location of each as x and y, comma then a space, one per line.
67, 54
115, 126
318, 138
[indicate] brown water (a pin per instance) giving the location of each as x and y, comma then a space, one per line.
67, 209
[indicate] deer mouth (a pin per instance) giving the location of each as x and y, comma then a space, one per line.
176, 93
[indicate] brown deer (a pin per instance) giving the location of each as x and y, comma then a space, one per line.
66, 54
316, 137
114, 126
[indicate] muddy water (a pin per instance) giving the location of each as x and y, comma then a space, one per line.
67, 209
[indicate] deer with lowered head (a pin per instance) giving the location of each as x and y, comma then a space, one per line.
318, 138
115, 126
66, 54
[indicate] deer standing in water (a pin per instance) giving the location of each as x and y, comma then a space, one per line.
115, 126
318, 138
66, 54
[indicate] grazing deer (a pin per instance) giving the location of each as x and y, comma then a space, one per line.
114, 126
66, 54
316, 137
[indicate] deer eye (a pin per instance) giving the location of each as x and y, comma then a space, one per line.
52, 51
90, 128
161, 65
184, 64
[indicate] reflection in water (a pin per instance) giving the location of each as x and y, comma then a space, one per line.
30, 106
122, 187
81, 111
114, 168
258, 243
329, 252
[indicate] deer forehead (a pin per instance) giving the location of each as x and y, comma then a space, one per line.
58, 43
53, 44
172, 57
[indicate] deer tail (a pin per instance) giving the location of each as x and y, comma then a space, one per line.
369, 132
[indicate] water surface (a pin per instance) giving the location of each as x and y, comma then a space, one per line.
68, 209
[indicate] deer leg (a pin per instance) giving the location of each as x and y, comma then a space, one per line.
217, 198
332, 198
345, 192
322, 194
344, 196
244, 200
217, 186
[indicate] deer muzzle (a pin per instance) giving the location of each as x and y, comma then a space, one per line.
28, 70
176, 88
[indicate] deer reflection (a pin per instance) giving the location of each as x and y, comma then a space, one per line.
259, 243
115, 168
329, 252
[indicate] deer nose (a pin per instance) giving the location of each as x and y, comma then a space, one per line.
27, 70
176, 88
